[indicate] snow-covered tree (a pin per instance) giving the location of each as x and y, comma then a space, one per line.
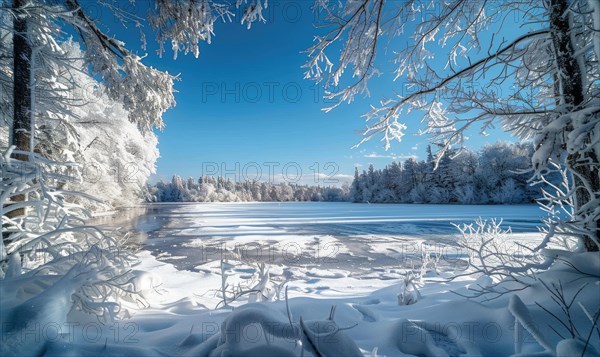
40, 76
211, 189
498, 174
77, 122
465, 64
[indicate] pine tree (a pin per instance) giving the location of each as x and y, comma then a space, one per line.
356, 192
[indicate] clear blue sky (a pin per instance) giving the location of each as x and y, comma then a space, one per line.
244, 100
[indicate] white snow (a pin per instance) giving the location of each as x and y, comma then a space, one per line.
178, 315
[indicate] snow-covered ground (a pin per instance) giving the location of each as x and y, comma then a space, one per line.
356, 257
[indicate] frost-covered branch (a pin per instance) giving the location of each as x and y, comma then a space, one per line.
460, 66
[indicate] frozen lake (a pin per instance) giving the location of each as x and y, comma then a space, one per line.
322, 235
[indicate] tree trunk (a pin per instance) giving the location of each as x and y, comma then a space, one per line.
21, 128
571, 94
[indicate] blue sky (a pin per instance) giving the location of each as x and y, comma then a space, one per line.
244, 102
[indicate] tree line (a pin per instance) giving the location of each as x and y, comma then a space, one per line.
498, 174
220, 189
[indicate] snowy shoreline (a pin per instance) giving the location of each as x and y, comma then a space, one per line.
179, 321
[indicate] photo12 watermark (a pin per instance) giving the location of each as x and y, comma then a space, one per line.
274, 172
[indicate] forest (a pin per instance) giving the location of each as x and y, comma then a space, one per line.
498, 174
